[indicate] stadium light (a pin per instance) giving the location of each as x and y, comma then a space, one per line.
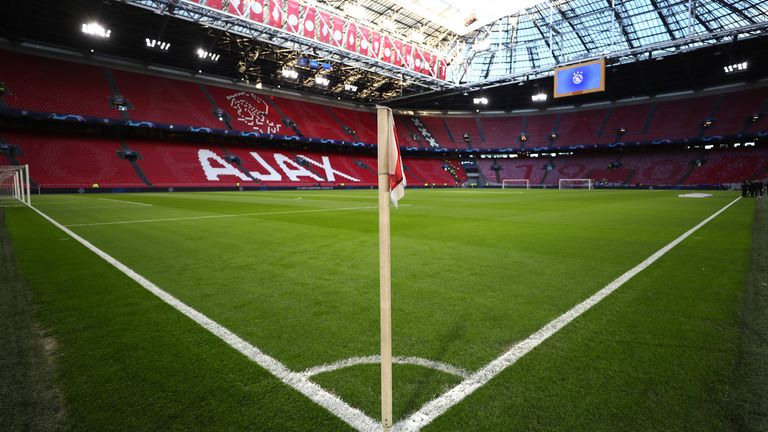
96, 29
158, 45
289, 74
322, 81
207, 55
480, 100
539, 97
736, 67
350, 88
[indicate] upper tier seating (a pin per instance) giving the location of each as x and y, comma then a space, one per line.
312, 120
580, 128
465, 125
736, 109
680, 118
502, 132
631, 118
166, 101
436, 127
362, 122
52, 86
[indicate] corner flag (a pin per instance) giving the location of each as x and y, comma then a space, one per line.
396, 175
391, 188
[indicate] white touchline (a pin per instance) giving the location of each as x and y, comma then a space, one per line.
436, 407
376, 359
350, 415
220, 216
127, 202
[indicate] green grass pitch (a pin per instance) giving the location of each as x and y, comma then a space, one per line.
474, 271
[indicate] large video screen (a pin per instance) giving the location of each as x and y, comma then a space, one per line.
580, 78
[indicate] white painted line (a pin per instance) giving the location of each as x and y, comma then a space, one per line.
127, 202
436, 407
350, 415
376, 359
220, 216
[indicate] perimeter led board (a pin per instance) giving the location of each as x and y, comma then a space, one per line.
580, 78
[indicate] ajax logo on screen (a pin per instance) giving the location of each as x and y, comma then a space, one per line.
578, 77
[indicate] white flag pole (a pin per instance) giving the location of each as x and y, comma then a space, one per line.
385, 268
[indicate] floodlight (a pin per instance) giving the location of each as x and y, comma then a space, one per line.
539, 97
207, 55
480, 101
156, 44
96, 29
290, 73
736, 67
322, 81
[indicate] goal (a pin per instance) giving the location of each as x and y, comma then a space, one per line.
575, 184
515, 183
14, 185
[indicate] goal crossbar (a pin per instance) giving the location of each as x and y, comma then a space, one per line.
508, 183
583, 183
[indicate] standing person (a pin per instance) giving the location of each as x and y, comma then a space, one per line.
744, 189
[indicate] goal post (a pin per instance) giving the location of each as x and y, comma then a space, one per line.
15, 188
583, 183
515, 183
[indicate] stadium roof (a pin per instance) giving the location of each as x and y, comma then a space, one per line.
521, 45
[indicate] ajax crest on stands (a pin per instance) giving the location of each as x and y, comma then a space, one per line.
253, 111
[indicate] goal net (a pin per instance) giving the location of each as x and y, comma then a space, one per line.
575, 184
515, 183
14, 185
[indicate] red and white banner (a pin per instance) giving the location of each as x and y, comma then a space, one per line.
375, 50
365, 40
256, 10
387, 49
238, 7
337, 33
213, 4
350, 37
310, 23
276, 13
397, 56
408, 56
292, 16
324, 27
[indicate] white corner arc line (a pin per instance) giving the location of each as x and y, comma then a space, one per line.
127, 202
335, 405
376, 359
220, 216
436, 407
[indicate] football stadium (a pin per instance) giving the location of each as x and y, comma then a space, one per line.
384, 215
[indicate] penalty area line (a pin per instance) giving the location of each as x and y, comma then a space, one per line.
437, 407
220, 216
332, 403
127, 202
